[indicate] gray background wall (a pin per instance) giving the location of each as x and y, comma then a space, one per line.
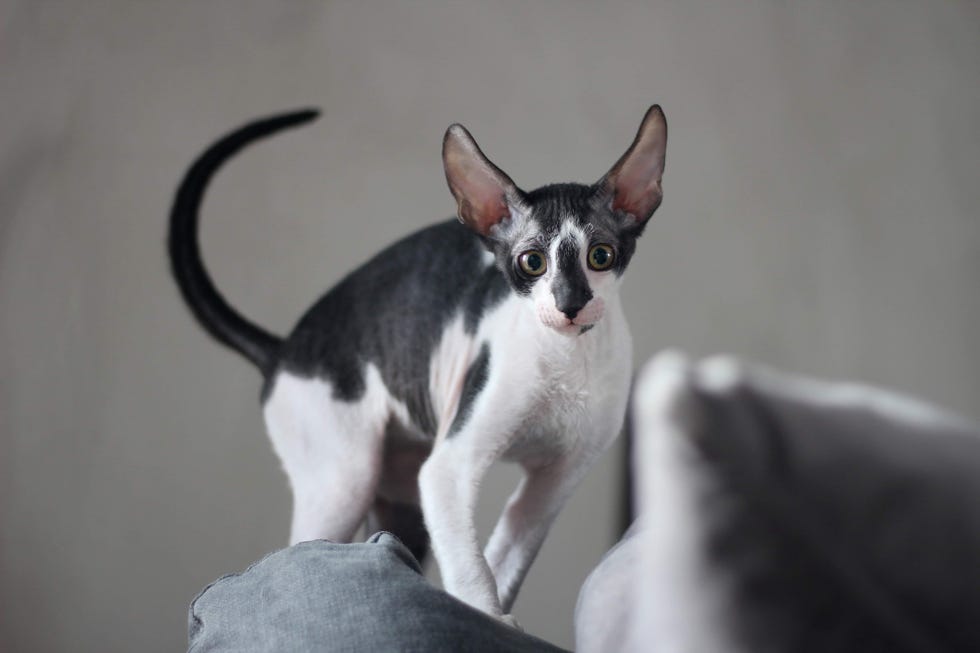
820, 215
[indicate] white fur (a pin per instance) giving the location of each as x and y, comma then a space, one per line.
554, 400
551, 404
331, 451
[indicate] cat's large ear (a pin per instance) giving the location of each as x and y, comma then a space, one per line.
633, 184
482, 190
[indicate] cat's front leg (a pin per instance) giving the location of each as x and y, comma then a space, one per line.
543, 491
449, 482
527, 518
478, 434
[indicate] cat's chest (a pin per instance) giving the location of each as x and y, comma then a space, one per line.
551, 384
566, 383
565, 395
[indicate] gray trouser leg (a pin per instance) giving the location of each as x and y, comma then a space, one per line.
322, 596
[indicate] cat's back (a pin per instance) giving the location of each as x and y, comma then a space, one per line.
392, 310
427, 271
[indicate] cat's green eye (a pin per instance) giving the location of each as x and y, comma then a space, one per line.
533, 262
601, 257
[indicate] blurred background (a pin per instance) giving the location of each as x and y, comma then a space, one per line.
820, 215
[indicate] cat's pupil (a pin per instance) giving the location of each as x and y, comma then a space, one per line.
600, 256
534, 261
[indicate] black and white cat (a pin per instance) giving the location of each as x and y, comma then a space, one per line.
499, 336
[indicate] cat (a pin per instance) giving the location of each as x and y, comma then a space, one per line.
498, 335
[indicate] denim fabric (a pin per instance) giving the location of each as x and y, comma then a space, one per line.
322, 596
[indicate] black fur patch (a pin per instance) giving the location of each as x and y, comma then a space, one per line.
391, 312
488, 292
476, 379
570, 287
551, 205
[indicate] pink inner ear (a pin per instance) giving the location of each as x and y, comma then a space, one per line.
480, 188
636, 178
483, 199
637, 192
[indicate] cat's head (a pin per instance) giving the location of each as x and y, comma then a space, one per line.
564, 246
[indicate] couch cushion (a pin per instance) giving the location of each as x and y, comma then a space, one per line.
785, 514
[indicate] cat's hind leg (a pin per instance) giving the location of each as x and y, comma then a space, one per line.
528, 517
405, 521
331, 450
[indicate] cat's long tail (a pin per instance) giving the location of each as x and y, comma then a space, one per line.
217, 317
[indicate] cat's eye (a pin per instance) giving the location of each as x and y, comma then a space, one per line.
533, 262
601, 257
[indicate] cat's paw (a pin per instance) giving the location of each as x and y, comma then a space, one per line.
511, 621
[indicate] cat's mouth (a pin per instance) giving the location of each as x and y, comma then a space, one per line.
571, 329
586, 318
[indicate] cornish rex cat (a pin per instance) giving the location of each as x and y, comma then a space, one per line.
499, 336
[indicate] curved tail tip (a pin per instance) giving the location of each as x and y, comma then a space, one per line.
306, 115
289, 118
